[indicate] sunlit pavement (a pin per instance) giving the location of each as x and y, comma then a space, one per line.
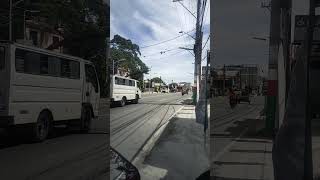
132, 125
237, 151
67, 155
181, 152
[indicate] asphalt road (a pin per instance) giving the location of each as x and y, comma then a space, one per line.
131, 126
66, 155
229, 124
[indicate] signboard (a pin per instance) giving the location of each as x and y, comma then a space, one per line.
301, 28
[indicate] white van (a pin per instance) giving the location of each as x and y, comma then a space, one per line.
40, 88
124, 90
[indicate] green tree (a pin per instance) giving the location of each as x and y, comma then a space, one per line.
122, 48
157, 80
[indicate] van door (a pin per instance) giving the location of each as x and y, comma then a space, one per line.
4, 79
91, 88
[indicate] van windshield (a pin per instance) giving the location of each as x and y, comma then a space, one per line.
2, 58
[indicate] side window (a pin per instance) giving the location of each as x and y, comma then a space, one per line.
44, 64
123, 82
65, 68
32, 63
130, 82
116, 80
20, 60
2, 57
54, 66
134, 83
91, 77
75, 70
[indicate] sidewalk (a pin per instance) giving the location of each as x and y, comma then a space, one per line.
247, 157
180, 153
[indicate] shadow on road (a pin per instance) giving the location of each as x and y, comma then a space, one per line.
254, 128
14, 139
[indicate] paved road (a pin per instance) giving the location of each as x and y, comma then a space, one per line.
132, 125
229, 124
67, 155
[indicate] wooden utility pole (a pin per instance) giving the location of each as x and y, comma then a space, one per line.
308, 164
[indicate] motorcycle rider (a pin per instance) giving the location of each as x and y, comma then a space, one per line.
232, 97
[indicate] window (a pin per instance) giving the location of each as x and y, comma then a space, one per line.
133, 83
42, 64
91, 77
116, 80
75, 70
27, 62
123, 82
130, 82
54, 66
2, 58
65, 68
32, 63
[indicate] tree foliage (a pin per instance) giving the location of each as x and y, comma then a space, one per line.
122, 48
157, 80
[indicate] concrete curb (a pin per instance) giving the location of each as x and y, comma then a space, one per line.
152, 140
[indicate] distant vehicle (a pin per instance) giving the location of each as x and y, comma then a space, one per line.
164, 89
124, 90
244, 97
40, 88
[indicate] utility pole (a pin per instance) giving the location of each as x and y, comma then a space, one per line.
308, 163
198, 52
206, 90
272, 105
10, 21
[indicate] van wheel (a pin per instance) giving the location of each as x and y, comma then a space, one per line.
40, 129
123, 102
86, 117
136, 100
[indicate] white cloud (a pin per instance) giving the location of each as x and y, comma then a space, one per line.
147, 22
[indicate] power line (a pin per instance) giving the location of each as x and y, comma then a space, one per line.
167, 56
206, 42
165, 40
203, 12
161, 52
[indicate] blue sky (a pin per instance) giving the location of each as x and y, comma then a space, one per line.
148, 22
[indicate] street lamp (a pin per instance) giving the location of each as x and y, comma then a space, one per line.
114, 63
